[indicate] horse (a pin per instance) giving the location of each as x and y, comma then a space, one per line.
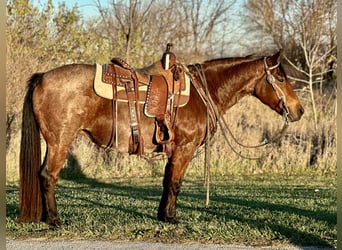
61, 103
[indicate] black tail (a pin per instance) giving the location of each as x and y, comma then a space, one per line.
30, 200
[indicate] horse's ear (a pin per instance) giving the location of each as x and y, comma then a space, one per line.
277, 57
280, 52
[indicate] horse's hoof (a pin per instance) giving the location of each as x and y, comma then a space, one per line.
55, 224
171, 220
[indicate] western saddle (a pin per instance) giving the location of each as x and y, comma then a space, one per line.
163, 83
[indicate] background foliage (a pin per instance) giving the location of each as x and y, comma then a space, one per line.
41, 38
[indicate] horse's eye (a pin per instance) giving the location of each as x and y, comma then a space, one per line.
281, 79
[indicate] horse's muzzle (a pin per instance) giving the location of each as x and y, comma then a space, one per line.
295, 113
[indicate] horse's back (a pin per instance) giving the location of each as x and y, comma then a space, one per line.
70, 77
65, 87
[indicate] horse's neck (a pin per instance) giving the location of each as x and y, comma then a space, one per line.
231, 80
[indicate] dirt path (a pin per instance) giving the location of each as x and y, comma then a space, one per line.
106, 245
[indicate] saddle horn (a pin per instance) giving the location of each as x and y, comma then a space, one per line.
168, 59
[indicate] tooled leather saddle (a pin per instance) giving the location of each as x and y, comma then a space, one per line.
162, 87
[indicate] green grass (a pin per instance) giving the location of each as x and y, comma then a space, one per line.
252, 210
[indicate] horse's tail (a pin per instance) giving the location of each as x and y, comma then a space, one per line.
30, 199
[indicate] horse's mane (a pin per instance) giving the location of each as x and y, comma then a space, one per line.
242, 59
234, 58
250, 57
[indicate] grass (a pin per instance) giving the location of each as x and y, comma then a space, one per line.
252, 210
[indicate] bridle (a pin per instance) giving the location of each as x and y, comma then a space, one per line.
272, 80
207, 100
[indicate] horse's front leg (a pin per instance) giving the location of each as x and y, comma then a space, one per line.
174, 172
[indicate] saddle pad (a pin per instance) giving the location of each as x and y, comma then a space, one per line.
105, 90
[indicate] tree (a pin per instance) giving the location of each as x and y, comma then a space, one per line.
26, 31
38, 40
315, 44
306, 30
124, 25
201, 24
144, 27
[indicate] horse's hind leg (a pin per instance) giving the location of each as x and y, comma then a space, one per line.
52, 165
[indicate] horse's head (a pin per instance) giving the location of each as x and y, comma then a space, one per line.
274, 89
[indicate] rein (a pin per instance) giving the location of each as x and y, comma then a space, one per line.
281, 97
223, 124
214, 118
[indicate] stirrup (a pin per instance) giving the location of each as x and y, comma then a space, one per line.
164, 132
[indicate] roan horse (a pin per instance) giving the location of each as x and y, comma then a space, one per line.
61, 103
